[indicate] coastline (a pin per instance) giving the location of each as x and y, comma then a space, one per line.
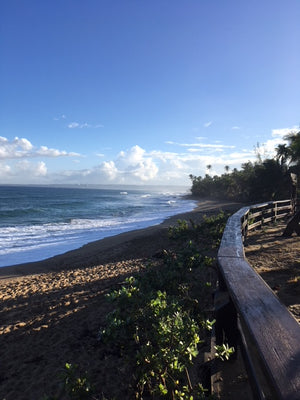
53, 221
109, 248
52, 309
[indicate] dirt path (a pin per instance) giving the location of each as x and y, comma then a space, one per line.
277, 260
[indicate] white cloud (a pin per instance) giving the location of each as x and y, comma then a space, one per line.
73, 125
200, 146
164, 156
15, 149
33, 169
16, 166
40, 169
132, 156
23, 143
63, 116
131, 166
268, 149
236, 128
77, 125
4, 169
22, 148
109, 169
284, 131
135, 165
44, 151
138, 166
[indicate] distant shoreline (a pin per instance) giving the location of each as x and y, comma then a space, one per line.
97, 252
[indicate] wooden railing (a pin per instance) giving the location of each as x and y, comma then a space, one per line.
250, 314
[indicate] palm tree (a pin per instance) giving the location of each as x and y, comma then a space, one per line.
282, 154
294, 146
227, 168
208, 167
294, 154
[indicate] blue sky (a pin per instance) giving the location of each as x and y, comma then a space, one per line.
143, 92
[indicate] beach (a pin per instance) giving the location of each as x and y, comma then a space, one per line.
52, 310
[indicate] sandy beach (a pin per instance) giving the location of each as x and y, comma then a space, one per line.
51, 310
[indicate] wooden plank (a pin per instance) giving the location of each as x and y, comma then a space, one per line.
244, 224
254, 225
285, 210
275, 331
283, 201
232, 241
268, 219
261, 205
281, 216
286, 207
255, 214
284, 204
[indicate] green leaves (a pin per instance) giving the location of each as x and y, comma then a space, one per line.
158, 331
158, 320
77, 386
207, 324
223, 352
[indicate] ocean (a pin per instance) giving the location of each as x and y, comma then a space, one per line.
38, 222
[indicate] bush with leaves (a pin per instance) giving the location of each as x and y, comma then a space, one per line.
158, 318
74, 385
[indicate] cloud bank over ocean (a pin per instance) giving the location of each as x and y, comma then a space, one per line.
23, 162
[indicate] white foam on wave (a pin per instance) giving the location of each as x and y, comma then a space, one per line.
21, 244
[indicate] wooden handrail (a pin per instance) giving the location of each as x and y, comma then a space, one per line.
269, 332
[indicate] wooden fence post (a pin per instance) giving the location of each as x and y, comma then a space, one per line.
275, 211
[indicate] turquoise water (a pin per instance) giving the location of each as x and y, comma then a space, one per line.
40, 222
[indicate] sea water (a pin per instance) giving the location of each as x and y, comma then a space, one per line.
40, 222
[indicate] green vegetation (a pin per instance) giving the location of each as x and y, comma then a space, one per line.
159, 321
159, 317
74, 385
223, 352
263, 180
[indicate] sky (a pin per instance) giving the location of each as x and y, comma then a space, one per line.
144, 92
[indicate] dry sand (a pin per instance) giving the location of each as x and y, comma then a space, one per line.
277, 260
51, 311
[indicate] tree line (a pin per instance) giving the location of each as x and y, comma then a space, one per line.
262, 180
